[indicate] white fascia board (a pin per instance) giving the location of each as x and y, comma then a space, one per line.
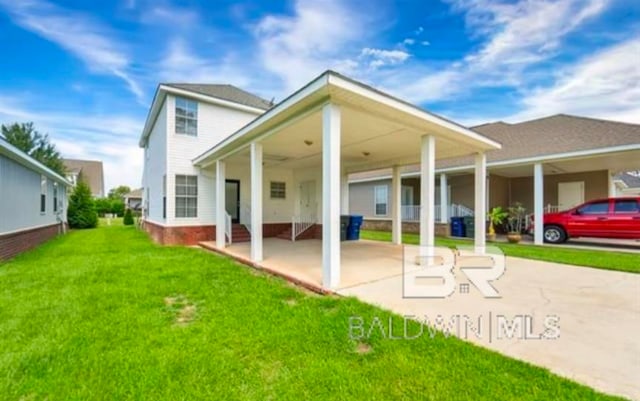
411, 109
25, 160
546, 158
283, 106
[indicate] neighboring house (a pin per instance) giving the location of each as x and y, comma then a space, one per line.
133, 200
91, 172
576, 158
224, 165
33, 205
627, 184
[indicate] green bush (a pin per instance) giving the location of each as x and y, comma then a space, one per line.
128, 218
81, 212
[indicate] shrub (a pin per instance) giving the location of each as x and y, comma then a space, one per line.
128, 217
81, 212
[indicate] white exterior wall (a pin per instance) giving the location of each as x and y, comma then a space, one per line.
274, 210
155, 166
215, 123
20, 198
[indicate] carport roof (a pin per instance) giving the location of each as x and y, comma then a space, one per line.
390, 127
560, 134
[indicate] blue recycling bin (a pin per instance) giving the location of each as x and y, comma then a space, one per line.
353, 230
457, 227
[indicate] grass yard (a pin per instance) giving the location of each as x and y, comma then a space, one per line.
608, 260
104, 314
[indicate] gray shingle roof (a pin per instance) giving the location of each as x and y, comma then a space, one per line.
546, 136
631, 181
225, 92
560, 133
92, 173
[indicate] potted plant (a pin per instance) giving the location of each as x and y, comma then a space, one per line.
515, 218
496, 217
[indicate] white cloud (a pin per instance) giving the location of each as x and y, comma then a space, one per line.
82, 36
316, 37
380, 57
517, 36
605, 85
110, 138
181, 64
408, 41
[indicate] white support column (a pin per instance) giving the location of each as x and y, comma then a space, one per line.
344, 192
331, 196
396, 206
221, 210
612, 184
444, 199
480, 206
427, 192
538, 203
256, 202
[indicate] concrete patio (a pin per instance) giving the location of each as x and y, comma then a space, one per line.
362, 261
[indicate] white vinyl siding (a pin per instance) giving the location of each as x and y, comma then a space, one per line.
381, 200
186, 116
20, 203
186, 196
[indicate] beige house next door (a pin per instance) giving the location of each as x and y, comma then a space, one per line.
570, 194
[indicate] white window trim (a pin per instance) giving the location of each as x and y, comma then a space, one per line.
271, 190
375, 203
176, 116
43, 191
176, 196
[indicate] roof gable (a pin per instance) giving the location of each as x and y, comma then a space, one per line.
225, 92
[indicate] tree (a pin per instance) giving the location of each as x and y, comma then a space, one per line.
119, 192
27, 139
128, 218
81, 212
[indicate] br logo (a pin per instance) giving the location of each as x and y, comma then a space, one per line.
436, 272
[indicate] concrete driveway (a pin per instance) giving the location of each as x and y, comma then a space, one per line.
581, 323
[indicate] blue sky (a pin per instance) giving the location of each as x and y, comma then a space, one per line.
85, 72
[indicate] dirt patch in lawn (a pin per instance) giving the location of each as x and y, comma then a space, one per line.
363, 348
183, 309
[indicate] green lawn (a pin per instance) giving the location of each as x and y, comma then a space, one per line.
104, 314
608, 260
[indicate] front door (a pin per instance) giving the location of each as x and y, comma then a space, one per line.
308, 198
232, 199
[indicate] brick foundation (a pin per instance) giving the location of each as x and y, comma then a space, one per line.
180, 235
442, 229
192, 235
15, 243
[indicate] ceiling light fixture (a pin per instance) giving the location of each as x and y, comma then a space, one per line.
308, 142
366, 154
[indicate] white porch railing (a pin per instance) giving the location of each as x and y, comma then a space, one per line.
300, 224
228, 229
547, 209
245, 210
412, 212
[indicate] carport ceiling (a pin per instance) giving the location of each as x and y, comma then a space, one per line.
366, 140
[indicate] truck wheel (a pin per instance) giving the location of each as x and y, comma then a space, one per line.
554, 234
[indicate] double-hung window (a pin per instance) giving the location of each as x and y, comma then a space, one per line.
381, 199
43, 194
186, 196
186, 116
55, 197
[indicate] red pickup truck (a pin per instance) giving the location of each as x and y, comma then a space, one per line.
603, 218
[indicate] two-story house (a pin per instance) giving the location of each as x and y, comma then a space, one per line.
225, 166
183, 122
